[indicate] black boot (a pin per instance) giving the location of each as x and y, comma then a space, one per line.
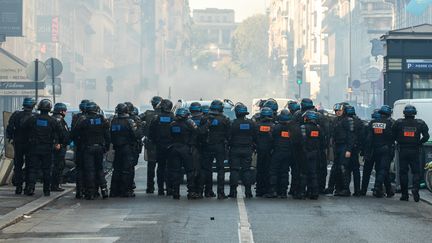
104, 192
416, 195
404, 197
18, 190
233, 192
149, 190
29, 191
210, 194
47, 193
221, 196
161, 192
378, 193
248, 192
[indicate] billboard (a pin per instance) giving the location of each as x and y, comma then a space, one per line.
11, 17
47, 29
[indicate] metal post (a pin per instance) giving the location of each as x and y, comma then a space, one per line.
350, 51
36, 79
299, 91
108, 106
53, 80
141, 76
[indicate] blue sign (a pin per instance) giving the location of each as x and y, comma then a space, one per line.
424, 65
11, 17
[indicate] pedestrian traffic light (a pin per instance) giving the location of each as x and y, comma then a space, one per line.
299, 77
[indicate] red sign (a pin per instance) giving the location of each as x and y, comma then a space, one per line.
55, 29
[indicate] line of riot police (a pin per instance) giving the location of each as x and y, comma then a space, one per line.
292, 149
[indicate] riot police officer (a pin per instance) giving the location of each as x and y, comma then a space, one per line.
324, 122
44, 134
198, 117
184, 134
79, 180
133, 114
160, 134
354, 165
59, 114
256, 116
124, 133
343, 138
381, 141
93, 131
150, 148
306, 104
16, 134
264, 129
241, 143
410, 134
312, 140
217, 132
286, 143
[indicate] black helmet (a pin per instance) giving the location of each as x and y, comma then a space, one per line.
311, 116
29, 103
266, 112
293, 106
217, 106
272, 104
339, 107
376, 114
155, 101
45, 105
409, 111
285, 115
130, 107
350, 110
240, 110
182, 113
83, 104
92, 107
165, 105
59, 107
306, 104
121, 109
195, 107
205, 109
386, 110
135, 111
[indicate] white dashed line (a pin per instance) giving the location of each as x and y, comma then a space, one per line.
244, 230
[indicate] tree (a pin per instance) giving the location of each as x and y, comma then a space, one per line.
250, 45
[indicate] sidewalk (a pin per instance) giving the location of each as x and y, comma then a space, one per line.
14, 207
426, 196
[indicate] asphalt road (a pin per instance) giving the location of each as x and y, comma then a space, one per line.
150, 218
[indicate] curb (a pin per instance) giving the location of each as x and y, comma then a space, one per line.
18, 214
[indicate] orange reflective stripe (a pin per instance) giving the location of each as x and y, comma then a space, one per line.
409, 134
264, 129
314, 134
378, 131
285, 134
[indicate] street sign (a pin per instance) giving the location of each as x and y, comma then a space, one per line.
356, 84
11, 17
373, 74
41, 71
54, 67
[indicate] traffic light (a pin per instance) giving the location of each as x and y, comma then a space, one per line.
299, 77
109, 84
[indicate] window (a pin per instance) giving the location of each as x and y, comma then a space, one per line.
418, 86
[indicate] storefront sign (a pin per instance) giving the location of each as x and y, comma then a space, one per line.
424, 65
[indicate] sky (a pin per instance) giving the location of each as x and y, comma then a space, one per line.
243, 8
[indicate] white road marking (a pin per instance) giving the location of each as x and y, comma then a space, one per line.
244, 230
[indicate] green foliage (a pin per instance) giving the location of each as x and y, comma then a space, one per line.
250, 45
